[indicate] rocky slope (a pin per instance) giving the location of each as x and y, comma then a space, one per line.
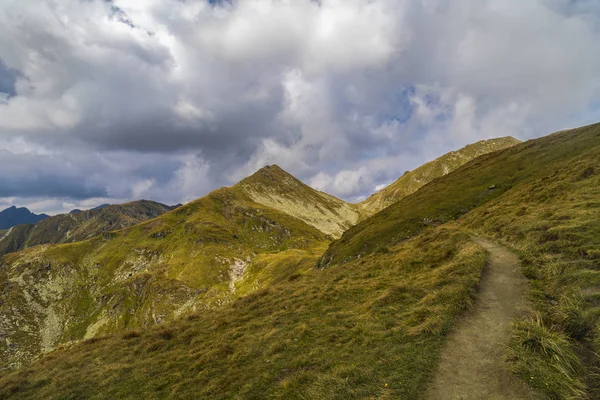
13, 216
82, 225
412, 181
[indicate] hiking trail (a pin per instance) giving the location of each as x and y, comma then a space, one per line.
472, 362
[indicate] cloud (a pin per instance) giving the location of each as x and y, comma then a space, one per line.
124, 99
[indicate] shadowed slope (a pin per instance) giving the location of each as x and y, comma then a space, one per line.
15, 216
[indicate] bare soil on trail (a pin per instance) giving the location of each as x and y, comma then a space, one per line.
472, 364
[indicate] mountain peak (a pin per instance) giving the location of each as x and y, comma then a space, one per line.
14, 216
273, 177
273, 170
273, 187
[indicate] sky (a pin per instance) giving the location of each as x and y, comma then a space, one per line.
111, 101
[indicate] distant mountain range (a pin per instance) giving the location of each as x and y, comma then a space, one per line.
14, 216
79, 225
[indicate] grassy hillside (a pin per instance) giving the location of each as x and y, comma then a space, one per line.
74, 227
273, 187
368, 329
370, 320
412, 181
542, 198
200, 255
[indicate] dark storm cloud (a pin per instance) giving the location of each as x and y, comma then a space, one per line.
29, 176
48, 185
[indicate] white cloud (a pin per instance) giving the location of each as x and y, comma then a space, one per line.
382, 186
320, 181
345, 94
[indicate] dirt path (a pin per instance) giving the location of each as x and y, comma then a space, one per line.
472, 363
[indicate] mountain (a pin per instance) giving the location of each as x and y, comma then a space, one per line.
280, 311
200, 255
74, 227
15, 216
412, 181
273, 187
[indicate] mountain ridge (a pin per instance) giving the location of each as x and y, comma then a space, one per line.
273, 189
14, 216
369, 322
413, 180
73, 227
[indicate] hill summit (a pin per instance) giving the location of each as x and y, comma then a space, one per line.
273, 187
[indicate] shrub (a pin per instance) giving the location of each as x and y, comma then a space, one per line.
131, 334
166, 334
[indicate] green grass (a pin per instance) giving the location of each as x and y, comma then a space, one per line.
542, 356
150, 272
372, 328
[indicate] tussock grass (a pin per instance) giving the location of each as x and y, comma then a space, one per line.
545, 358
372, 328
131, 334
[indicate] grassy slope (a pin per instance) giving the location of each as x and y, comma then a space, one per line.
74, 227
412, 181
368, 329
148, 273
554, 223
542, 198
